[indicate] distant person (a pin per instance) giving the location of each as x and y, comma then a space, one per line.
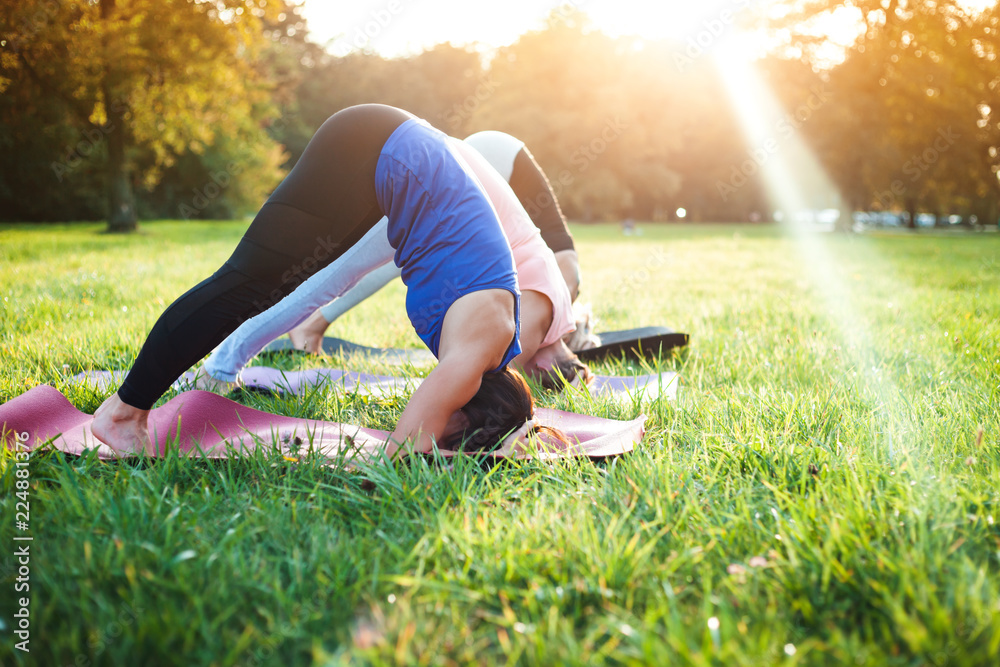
363, 163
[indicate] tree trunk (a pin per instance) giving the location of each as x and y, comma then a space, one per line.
121, 201
845, 221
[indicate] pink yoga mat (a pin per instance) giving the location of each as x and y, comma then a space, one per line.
202, 423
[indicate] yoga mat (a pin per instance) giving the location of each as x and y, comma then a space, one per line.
295, 382
644, 342
200, 423
634, 344
267, 379
339, 346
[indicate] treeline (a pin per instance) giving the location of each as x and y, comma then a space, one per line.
126, 109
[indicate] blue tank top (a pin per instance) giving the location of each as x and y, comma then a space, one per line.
446, 234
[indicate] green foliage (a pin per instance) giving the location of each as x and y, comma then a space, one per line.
623, 127
602, 116
917, 98
158, 80
828, 494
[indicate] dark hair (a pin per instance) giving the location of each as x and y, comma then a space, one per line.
564, 372
502, 405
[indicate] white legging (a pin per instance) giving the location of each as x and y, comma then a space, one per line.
365, 288
357, 274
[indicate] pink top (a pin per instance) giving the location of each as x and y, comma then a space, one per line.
537, 269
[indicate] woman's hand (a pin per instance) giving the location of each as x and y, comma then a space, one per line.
569, 266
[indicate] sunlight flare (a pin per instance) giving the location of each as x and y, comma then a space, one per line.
798, 188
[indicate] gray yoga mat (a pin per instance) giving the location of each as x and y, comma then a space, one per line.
644, 342
641, 343
271, 380
339, 346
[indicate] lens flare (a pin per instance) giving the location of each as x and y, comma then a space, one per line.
798, 187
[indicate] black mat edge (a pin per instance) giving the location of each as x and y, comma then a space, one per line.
636, 348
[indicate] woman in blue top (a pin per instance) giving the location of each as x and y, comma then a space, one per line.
462, 296
516, 165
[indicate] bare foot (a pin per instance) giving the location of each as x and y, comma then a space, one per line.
123, 428
308, 336
203, 380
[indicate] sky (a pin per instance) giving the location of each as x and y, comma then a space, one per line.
400, 27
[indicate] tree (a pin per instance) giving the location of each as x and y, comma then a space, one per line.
144, 81
914, 126
600, 115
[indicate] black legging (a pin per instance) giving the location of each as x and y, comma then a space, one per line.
533, 190
323, 207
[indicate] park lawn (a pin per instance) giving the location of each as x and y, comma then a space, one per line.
824, 490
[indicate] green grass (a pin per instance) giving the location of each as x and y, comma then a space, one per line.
825, 487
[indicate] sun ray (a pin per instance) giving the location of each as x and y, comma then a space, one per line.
796, 185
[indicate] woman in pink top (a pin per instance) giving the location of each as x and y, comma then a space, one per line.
546, 305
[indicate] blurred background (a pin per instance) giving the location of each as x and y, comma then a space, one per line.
833, 113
